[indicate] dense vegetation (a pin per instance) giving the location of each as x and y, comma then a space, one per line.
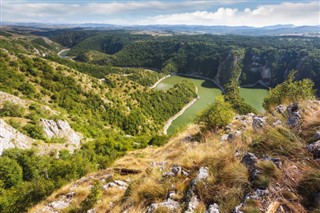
290, 91
264, 59
115, 114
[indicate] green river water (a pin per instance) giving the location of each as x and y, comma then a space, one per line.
207, 92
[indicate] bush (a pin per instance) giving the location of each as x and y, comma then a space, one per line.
289, 91
218, 115
92, 198
158, 140
12, 110
10, 172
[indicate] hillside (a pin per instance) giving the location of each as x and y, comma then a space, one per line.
59, 121
86, 132
253, 61
255, 164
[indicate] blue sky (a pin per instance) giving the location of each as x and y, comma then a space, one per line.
142, 12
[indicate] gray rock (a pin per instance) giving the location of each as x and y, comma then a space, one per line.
316, 136
192, 205
176, 170
224, 137
203, 174
92, 211
169, 204
314, 148
293, 115
250, 160
258, 123
280, 109
11, 138
59, 204
60, 129
277, 123
214, 208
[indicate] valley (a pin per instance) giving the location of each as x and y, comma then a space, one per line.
125, 92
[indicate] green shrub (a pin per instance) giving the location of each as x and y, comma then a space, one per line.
158, 140
10, 172
289, 91
92, 198
218, 115
12, 110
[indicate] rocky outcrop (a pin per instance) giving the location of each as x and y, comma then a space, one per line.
11, 138
258, 123
314, 148
293, 115
13, 99
60, 129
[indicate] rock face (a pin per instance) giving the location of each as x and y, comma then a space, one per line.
169, 204
11, 138
13, 99
293, 115
258, 123
314, 148
60, 129
214, 208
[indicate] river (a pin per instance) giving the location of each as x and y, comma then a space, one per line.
207, 92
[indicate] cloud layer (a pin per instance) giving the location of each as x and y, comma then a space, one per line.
202, 12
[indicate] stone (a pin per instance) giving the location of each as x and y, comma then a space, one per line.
11, 138
60, 129
70, 195
314, 148
59, 204
213, 208
170, 204
277, 123
316, 136
280, 109
293, 115
92, 211
192, 205
250, 160
258, 122
203, 174
224, 137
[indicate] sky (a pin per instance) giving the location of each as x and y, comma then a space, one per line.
256, 13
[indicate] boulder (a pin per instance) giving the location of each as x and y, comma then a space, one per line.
250, 160
316, 136
280, 109
11, 138
203, 174
176, 170
214, 208
314, 148
169, 204
192, 205
293, 115
60, 129
258, 122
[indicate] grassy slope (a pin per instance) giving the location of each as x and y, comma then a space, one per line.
228, 179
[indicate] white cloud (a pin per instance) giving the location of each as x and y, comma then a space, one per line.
264, 15
159, 12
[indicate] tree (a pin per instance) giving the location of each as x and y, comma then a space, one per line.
10, 172
289, 91
218, 115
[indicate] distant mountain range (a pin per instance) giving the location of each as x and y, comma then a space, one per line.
287, 29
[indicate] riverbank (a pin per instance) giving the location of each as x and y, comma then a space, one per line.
158, 82
60, 54
169, 122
